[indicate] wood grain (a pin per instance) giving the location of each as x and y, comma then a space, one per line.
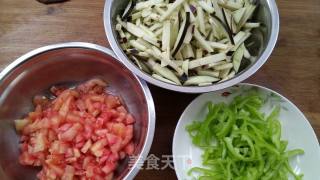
293, 69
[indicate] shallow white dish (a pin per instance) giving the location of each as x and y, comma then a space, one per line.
295, 128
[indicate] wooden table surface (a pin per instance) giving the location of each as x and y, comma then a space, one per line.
293, 69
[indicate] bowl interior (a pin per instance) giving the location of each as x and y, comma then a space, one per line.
67, 66
259, 40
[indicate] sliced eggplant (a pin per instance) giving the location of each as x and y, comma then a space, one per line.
174, 30
195, 80
205, 44
207, 60
171, 9
200, 18
163, 71
185, 67
237, 57
208, 73
226, 28
230, 5
238, 14
145, 4
166, 37
190, 42
206, 6
189, 34
223, 66
182, 33
187, 52
163, 79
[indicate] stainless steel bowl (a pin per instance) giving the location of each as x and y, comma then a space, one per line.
69, 64
267, 13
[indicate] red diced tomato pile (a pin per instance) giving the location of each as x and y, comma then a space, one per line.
81, 134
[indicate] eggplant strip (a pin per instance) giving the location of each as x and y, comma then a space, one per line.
207, 60
171, 9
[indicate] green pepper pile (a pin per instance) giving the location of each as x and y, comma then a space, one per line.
241, 143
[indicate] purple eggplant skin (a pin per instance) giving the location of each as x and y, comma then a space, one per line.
186, 26
193, 9
51, 1
183, 78
225, 26
128, 10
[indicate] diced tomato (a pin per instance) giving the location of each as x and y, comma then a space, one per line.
72, 117
122, 109
106, 116
109, 167
117, 146
86, 146
121, 117
97, 148
90, 170
87, 131
112, 102
65, 127
76, 152
112, 139
82, 134
56, 169
68, 173
97, 98
129, 148
79, 138
39, 142
119, 129
26, 159
101, 132
128, 135
114, 157
71, 132
63, 111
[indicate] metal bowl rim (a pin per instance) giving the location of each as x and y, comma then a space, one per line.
147, 94
193, 89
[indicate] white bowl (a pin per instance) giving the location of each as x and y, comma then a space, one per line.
295, 128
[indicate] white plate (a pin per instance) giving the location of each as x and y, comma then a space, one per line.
295, 128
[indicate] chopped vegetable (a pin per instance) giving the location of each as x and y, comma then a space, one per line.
203, 35
240, 142
81, 134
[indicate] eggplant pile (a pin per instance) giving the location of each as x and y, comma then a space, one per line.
188, 42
